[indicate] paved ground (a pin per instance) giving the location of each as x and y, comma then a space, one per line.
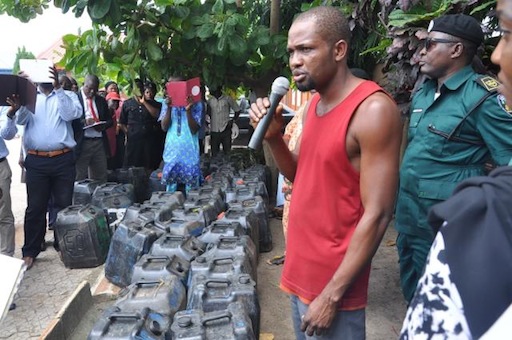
46, 287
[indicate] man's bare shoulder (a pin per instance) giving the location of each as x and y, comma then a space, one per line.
377, 115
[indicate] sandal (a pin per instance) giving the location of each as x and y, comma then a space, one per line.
276, 260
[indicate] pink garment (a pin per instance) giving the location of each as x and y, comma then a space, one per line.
112, 131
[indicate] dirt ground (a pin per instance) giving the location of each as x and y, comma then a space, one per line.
385, 311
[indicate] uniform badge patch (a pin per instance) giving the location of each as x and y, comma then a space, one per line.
503, 104
489, 83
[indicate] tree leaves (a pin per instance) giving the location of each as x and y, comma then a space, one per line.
154, 52
205, 31
399, 18
218, 7
98, 8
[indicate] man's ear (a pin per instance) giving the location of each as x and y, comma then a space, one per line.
340, 50
458, 50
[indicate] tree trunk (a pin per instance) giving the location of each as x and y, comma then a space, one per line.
269, 159
275, 8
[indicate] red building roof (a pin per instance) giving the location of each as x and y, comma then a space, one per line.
55, 52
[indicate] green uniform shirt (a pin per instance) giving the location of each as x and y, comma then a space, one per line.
433, 164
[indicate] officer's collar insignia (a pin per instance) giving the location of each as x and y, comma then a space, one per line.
417, 110
489, 83
503, 104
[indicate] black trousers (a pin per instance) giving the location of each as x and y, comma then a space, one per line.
116, 161
218, 138
45, 177
138, 151
144, 147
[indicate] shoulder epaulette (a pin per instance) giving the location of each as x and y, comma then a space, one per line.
489, 83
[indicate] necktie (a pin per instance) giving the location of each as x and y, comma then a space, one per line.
91, 108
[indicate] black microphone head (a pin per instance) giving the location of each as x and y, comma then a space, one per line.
280, 86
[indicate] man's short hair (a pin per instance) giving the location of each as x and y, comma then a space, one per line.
330, 22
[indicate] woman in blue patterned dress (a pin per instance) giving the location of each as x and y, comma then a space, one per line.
181, 151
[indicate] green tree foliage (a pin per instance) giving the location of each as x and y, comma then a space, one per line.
407, 26
24, 10
21, 54
228, 42
155, 39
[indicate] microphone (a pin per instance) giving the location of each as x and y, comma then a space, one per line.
280, 87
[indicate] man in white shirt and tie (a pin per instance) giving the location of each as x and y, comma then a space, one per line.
93, 148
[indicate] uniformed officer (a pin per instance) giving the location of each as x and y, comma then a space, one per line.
458, 123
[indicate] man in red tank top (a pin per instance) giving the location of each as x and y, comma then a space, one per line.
344, 171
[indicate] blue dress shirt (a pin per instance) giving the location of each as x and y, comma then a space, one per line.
8, 130
49, 127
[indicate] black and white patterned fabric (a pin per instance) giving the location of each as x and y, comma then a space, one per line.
436, 310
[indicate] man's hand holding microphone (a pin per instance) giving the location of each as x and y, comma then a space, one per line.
266, 114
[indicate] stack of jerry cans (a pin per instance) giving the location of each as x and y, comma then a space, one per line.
186, 247
205, 214
239, 193
168, 197
218, 229
215, 195
83, 236
144, 310
258, 206
149, 212
83, 190
242, 246
260, 171
230, 256
247, 219
259, 189
231, 323
130, 241
181, 227
215, 294
207, 244
116, 324
137, 177
152, 267
114, 199
163, 296
111, 188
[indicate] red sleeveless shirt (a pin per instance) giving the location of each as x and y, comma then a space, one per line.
326, 204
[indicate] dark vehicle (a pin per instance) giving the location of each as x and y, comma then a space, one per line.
245, 129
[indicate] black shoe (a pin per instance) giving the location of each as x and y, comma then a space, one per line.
43, 246
12, 306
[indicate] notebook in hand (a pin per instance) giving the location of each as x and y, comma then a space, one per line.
12, 84
179, 91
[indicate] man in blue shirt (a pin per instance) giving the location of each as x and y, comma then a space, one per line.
50, 161
7, 131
